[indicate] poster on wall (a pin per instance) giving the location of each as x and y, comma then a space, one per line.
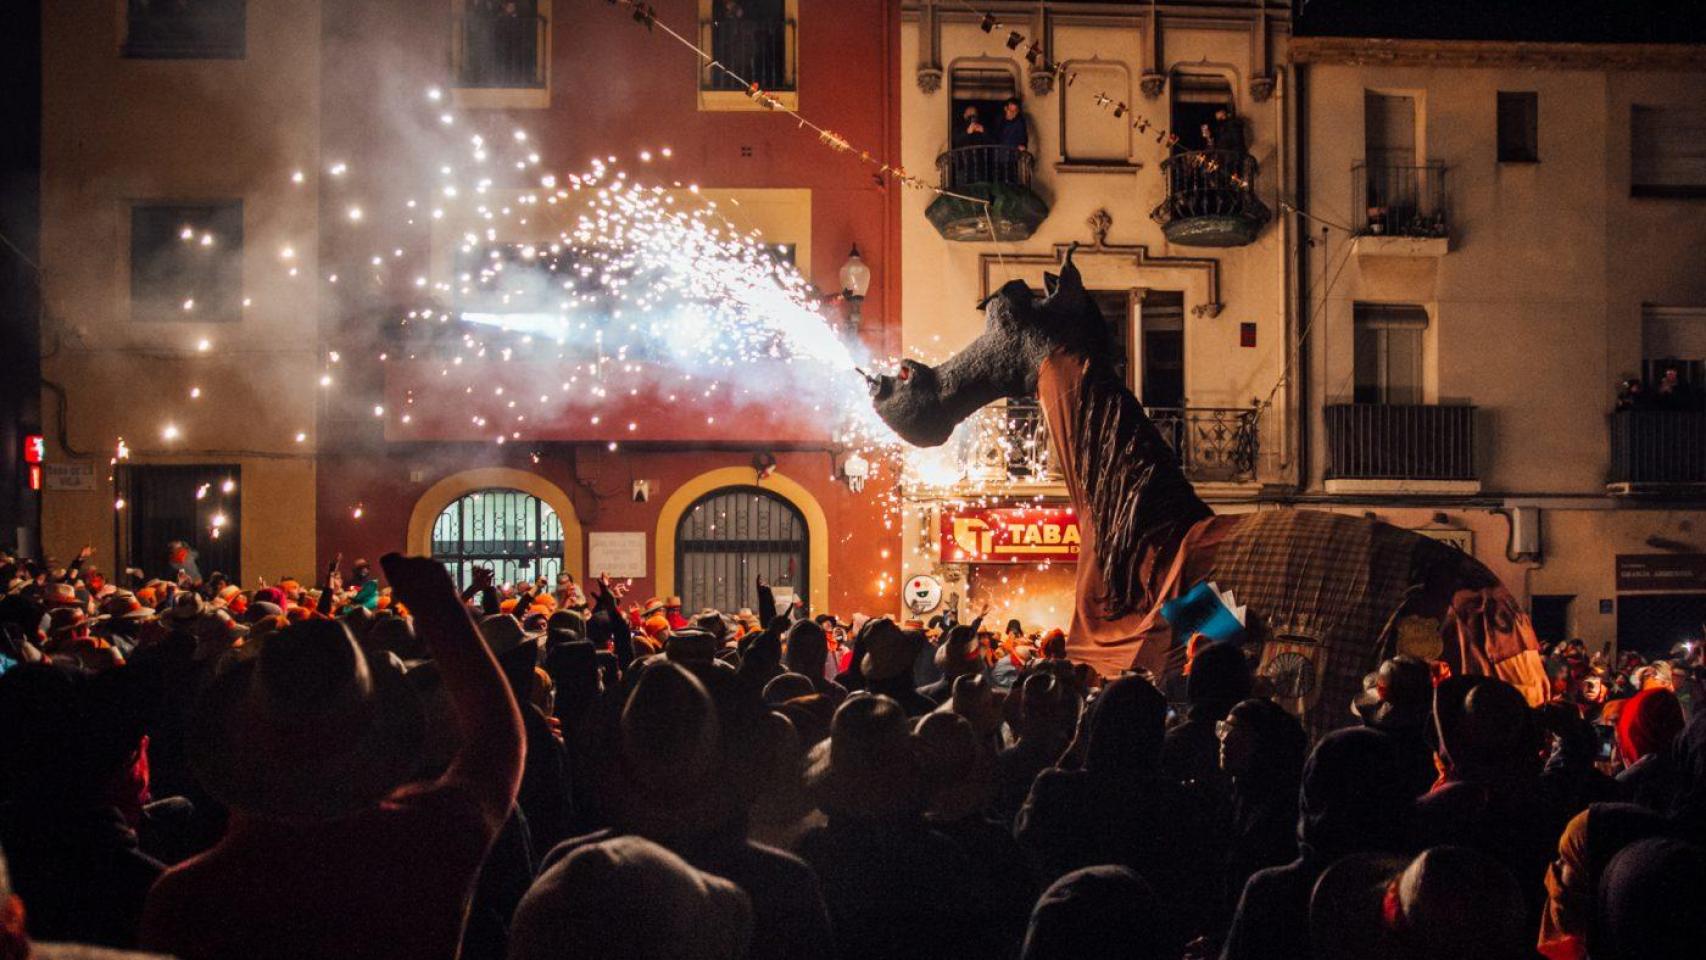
1010, 535
621, 555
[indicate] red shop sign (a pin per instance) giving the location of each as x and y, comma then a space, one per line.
1010, 535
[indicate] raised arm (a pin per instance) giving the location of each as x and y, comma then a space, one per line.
488, 765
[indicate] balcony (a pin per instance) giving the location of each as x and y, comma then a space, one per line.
1658, 451
1008, 445
499, 50
1400, 210
172, 30
758, 51
1211, 199
1000, 175
1400, 448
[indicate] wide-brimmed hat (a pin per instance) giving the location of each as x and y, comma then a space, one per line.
786, 686
629, 897
652, 608
671, 602
123, 605
960, 649
503, 633
63, 620
867, 767
1482, 721
1448, 902
302, 725
186, 605
957, 773
690, 645
61, 595
1399, 693
889, 650
977, 700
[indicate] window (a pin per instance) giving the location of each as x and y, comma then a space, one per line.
1519, 127
1087, 135
730, 537
501, 43
185, 29
1196, 99
1551, 616
192, 505
186, 261
755, 39
1388, 352
516, 534
1163, 318
1667, 151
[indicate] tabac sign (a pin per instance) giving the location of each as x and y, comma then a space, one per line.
1009, 535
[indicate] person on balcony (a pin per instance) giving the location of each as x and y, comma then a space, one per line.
1015, 132
970, 131
1226, 133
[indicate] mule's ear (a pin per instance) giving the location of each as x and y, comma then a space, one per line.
1069, 275
1051, 282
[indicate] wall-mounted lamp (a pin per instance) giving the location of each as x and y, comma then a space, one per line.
855, 282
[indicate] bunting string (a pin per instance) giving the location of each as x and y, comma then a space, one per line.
645, 14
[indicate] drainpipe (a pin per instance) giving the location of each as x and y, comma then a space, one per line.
1297, 389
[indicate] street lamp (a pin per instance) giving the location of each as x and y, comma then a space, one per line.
855, 281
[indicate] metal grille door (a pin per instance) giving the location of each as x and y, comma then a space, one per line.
732, 536
514, 533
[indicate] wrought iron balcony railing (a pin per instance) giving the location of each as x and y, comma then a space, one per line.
1662, 447
1010, 443
194, 30
1385, 441
996, 174
1400, 201
759, 51
1211, 199
504, 50
964, 167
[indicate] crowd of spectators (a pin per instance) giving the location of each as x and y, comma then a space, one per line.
391, 766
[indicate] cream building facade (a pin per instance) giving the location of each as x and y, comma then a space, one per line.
1182, 244
1498, 234
180, 170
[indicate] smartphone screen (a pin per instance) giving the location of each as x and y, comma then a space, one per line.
1607, 740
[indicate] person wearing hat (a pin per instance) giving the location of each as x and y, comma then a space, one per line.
694, 741
1352, 801
1397, 699
1120, 808
312, 745
69, 639
959, 654
1262, 749
627, 898
896, 888
957, 770
1104, 911
1491, 796
1647, 725
1219, 678
1450, 902
1047, 714
883, 658
672, 610
71, 741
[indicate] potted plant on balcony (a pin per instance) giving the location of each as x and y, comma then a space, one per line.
1377, 220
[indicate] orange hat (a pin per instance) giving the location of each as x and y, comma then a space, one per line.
657, 626
148, 597
653, 606
507, 606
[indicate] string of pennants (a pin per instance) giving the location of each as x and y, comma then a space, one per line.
645, 14
1034, 56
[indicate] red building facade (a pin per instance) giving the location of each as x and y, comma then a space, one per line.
694, 482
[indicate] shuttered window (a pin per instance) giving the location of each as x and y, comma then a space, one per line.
1667, 151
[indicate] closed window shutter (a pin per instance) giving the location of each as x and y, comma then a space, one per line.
1667, 151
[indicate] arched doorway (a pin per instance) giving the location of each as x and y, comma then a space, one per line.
514, 532
729, 537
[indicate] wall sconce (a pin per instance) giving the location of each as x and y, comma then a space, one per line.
855, 470
764, 464
855, 282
